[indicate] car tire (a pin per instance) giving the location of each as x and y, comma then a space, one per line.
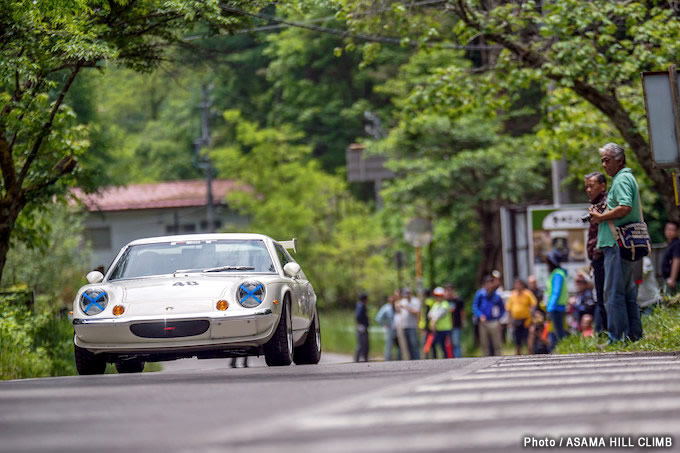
310, 352
88, 363
278, 351
130, 366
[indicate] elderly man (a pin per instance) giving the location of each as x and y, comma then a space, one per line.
623, 206
596, 189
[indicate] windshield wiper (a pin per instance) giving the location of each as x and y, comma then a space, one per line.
229, 268
187, 271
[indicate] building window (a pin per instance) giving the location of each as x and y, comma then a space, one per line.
186, 228
216, 223
99, 237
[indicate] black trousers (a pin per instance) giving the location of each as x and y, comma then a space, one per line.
361, 354
600, 311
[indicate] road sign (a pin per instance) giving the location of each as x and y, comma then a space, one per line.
365, 168
663, 118
418, 232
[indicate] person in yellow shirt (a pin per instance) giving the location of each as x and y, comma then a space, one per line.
520, 303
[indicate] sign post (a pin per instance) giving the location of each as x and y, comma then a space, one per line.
418, 233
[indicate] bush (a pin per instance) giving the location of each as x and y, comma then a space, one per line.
21, 356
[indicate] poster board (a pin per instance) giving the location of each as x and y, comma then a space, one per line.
558, 227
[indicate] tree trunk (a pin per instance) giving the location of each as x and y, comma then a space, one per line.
490, 222
612, 108
8, 219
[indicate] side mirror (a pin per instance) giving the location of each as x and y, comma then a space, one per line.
291, 269
94, 277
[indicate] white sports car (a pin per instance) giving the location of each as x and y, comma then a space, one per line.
201, 295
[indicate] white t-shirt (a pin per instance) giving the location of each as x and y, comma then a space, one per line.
408, 319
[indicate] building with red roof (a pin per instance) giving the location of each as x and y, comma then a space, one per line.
120, 214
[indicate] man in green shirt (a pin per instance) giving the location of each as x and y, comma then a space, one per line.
623, 206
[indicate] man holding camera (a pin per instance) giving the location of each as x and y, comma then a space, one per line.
596, 189
623, 207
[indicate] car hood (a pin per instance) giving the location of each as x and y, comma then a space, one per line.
192, 287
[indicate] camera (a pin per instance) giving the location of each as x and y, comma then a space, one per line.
585, 218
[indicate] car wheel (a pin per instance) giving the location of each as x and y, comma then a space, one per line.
278, 351
88, 363
130, 366
310, 352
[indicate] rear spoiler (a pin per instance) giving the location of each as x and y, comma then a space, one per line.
290, 245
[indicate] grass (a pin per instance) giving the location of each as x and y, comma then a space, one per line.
338, 333
661, 334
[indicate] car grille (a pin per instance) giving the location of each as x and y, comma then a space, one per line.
170, 329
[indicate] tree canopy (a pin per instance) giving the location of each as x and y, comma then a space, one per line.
45, 45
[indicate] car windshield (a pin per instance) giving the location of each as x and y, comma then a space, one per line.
193, 256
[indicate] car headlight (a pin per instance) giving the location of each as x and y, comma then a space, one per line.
93, 301
250, 294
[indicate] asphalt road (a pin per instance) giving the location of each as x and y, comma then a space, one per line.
488, 404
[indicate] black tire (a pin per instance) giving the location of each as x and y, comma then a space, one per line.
310, 352
88, 363
278, 351
130, 366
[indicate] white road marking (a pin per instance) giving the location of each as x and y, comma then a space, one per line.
530, 396
557, 371
512, 363
549, 382
494, 437
560, 366
511, 412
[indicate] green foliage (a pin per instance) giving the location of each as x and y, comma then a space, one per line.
33, 343
45, 45
585, 57
455, 163
285, 194
54, 262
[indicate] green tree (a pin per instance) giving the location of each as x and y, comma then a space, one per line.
45, 45
286, 194
594, 49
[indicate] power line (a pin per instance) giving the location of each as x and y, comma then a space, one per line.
348, 34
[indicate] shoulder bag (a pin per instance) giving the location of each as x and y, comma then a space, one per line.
633, 238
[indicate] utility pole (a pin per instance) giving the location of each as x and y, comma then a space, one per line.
204, 162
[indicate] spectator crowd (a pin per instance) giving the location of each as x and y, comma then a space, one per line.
608, 301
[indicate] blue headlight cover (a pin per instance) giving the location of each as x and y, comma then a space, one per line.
93, 301
250, 294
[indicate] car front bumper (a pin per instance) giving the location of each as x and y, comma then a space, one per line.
250, 329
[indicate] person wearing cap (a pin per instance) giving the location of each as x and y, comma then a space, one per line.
361, 317
440, 322
556, 293
623, 207
520, 304
488, 308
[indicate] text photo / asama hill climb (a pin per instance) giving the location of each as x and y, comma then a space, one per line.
250, 226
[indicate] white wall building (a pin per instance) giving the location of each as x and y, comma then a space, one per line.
118, 215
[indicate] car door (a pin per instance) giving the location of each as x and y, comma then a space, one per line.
299, 298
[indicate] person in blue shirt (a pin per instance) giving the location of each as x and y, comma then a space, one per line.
361, 317
385, 318
488, 307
